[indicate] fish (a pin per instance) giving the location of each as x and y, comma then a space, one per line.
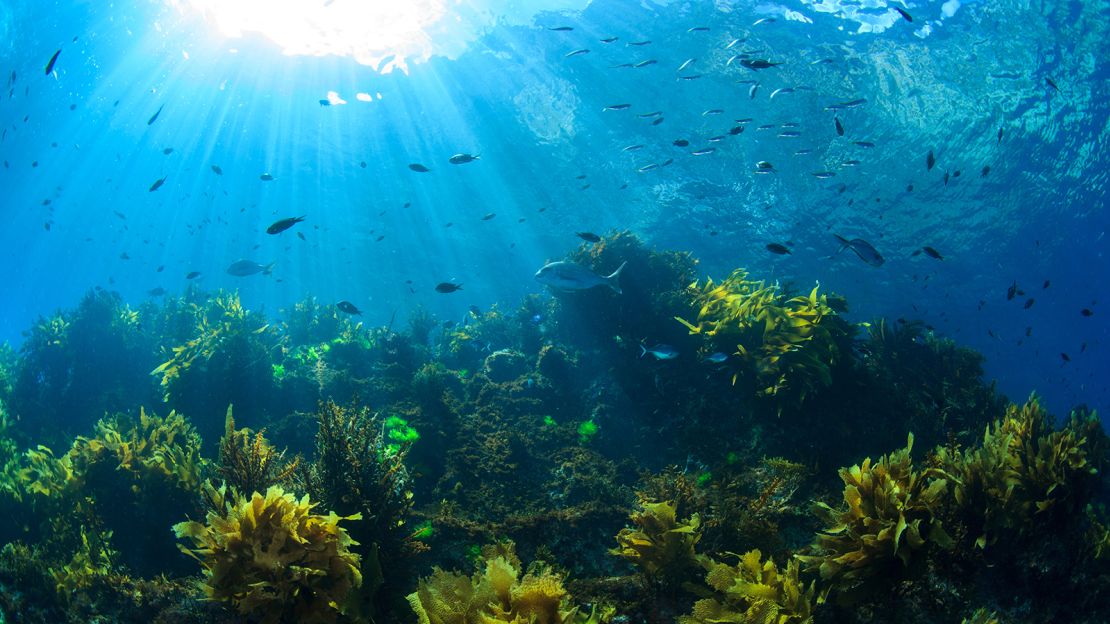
715, 358
156, 292
462, 159
862, 248
697, 29
659, 352
154, 117
657, 121
281, 225
823, 175
905, 16
419, 168
751, 91
763, 20
157, 184
651, 114
845, 105
1011, 291
946, 176
1065, 357
703, 152
1046, 284
1028, 303
648, 167
864, 144
851, 162
680, 143
488, 216
588, 236
639, 43
716, 139
688, 62
447, 287
757, 64
778, 248
608, 39
167, 151
576, 52
985, 171
265, 177
571, 276
1000, 129
733, 43
49, 64
192, 275
617, 107
646, 63
712, 111
633, 148
560, 28
763, 165
348, 307
789, 134
1048, 81
781, 90
243, 268
930, 161
735, 130
217, 170
1086, 312
932, 253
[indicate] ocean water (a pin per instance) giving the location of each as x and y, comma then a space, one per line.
168, 135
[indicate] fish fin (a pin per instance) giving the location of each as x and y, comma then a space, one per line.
613, 280
643, 350
268, 269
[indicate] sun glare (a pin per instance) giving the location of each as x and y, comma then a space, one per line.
378, 33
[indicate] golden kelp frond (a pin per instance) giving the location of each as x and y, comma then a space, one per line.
1023, 468
785, 342
248, 462
168, 446
753, 591
888, 515
659, 545
270, 557
44, 474
499, 591
95, 559
982, 616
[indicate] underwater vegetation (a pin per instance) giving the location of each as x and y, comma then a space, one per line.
814, 474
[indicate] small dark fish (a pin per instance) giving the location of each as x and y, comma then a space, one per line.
985, 171
362, 164
823, 175
848, 104
633, 148
735, 130
651, 114
560, 28
167, 151
1065, 357
588, 236
617, 107
447, 287
161, 267
703, 152
864, 144
488, 216
154, 118
657, 121
609, 39
265, 177
462, 159
862, 248
419, 168
932, 253
1046, 284
124, 256
777, 248
1028, 303
757, 64
576, 52
946, 176
300, 235
1086, 312
690, 77
646, 63
764, 166
839, 126
681, 143
698, 29
930, 161
1047, 81
281, 225
348, 307
905, 16
216, 170
639, 43
157, 184
49, 65
1011, 291
999, 135
156, 292
192, 275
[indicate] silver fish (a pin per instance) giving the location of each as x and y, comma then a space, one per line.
571, 276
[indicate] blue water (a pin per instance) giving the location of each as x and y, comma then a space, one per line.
493, 79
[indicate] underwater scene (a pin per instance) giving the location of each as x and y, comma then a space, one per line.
554, 311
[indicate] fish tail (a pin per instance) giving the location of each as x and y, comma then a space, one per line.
613, 280
268, 269
643, 350
844, 243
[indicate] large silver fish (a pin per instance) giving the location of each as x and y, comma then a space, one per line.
863, 249
570, 276
243, 268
